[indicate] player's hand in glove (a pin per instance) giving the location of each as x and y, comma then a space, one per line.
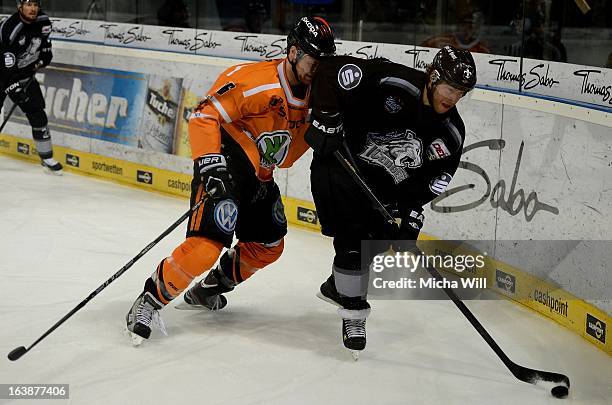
325, 134
17, 93
214, 175
408, 232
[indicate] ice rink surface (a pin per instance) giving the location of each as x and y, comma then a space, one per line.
275, 342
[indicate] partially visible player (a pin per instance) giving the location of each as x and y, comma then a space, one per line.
402, 131
252, 121
25, 47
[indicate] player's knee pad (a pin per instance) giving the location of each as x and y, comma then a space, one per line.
350, 278
246, 258
197, 254
37, 119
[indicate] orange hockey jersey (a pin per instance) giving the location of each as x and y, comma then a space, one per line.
254, 104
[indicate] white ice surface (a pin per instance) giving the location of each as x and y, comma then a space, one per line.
275, 343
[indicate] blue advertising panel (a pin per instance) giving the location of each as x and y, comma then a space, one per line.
96, 103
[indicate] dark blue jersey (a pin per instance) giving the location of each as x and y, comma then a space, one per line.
22, 45
405, 151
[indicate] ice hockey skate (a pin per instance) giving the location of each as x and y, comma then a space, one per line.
144, 314
328, 293
353, 329
207, 294
52, 166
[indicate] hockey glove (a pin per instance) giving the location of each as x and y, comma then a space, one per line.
45, 57
325, 134
17, 93
212, 171
408, 232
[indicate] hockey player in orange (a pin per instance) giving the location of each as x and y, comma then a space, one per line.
252, 120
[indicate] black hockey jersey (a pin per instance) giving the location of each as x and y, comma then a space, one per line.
23, 45
405, 151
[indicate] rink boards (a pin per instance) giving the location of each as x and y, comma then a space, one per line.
537, 163
511, 282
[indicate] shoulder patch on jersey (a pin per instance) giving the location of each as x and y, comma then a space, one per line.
437, 150
438, 184
225, 88
46, 29
9, 59
393, 104
349, 76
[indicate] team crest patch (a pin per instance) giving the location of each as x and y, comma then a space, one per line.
438, 185
395, 151
278, 212
393, 104
226, 216
9, 59
437, 150
273, 148
349, 76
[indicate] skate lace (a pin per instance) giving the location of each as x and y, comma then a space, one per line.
355, 327
146, 314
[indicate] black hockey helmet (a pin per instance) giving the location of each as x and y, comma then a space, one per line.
454, 66
314, 36
21, 2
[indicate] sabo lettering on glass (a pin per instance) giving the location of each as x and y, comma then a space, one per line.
512, 202
528, 81
588, 87
68, 31
366, 52
250, 45
418, 63
202, 40
134, 34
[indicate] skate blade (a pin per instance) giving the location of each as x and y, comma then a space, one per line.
183, 306
52, 172
328, 300
136, 339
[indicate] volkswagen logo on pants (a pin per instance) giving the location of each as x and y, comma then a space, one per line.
226, 215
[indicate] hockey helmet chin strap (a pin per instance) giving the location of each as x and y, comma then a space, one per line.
431, 85
300, 55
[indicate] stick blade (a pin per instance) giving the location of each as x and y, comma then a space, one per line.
558, 384
16, 353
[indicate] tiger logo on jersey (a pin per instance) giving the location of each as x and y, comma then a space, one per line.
395, 151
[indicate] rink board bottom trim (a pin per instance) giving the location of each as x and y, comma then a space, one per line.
577, 315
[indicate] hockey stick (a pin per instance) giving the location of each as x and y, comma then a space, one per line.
25, 87
16, 353
560, 382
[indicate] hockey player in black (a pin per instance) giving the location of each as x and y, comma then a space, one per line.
25, 46
400, 129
